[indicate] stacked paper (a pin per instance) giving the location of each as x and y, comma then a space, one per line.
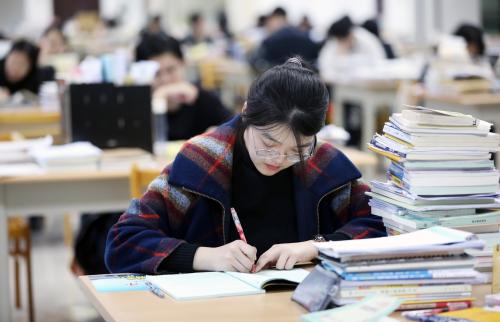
425, 268
441, 172
15, 158
78, 155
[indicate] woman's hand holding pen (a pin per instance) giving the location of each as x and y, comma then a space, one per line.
285, 256
236, 256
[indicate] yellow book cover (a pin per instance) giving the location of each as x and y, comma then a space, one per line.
476, 314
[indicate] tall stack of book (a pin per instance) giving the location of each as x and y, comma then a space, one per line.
426, 269
440, 172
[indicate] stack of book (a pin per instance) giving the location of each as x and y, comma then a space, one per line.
440, 172
426, 268
68, 157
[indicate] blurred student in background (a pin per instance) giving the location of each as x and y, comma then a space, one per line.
305, 25
474, 40
191, 109
284, 41
51, 43
372, 26
154, 27
197, 33
348, 46
18, 70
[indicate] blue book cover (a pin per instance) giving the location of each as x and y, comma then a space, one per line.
119, 282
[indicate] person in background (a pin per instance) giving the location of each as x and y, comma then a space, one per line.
19, 69
197, 33
305, 25
474, 39
191, 109
372, 26
154, 27
52, 42
284, 41
287, 188
254, 36
347, 46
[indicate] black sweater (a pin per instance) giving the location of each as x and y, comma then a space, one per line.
194, 119
267, 213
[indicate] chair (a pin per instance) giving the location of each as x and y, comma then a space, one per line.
20, 247
140, 178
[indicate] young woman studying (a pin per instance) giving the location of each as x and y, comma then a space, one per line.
286, 188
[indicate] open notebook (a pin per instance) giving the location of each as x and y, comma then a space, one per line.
219, 284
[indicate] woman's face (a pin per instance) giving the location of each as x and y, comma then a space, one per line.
17, 66
274, 148
171, 70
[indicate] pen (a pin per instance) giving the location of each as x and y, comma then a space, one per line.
239, 228
418, 315
155, 290
238, 225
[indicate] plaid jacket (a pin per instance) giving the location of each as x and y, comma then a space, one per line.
190, 202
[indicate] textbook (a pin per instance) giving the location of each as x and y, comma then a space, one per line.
426, 240
420, 289
481, 127
450, 139
395, 195
221, 284
393, 264
427, 116
444, 178
411, 274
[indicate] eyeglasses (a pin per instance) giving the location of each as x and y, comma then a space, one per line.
271, 154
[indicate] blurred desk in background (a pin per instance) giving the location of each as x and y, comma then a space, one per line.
373, 97
485, 106
30, 122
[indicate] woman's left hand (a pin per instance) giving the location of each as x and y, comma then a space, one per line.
285, 256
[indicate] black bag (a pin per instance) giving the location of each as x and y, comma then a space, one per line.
91, 241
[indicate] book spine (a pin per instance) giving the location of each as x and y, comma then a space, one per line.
435, 305
416, 265
410, 274
405, 290
478, 219
397, 134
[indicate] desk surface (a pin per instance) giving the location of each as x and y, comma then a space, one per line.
144, 306
473, 99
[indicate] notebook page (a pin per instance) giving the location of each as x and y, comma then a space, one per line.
296, 275
201, 285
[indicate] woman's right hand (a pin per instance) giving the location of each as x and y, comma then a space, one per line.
236, 256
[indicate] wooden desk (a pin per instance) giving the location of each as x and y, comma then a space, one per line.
372, 96
144, 306
66, 192
30, 122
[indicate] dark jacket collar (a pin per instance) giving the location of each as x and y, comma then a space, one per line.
204, 166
